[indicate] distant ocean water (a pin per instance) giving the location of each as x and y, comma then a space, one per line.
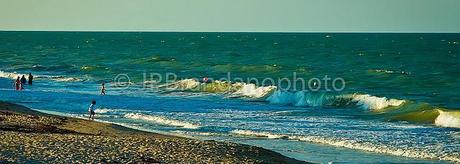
400, 103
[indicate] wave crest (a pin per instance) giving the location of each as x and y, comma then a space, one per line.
375, 103
448, 119
251, 90
233, 89
315, 99
295, 98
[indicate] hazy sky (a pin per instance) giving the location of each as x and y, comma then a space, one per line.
232, 15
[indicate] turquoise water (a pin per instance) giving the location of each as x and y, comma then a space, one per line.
399, 103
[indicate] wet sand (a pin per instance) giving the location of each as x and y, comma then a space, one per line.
30, 136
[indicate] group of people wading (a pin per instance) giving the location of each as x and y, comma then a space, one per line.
21, 81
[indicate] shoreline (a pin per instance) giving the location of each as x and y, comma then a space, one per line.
31, 136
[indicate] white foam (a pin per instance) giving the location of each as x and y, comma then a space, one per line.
366, 101
195, 133
405, 126
304, 98
14, 75
113, 111
384, 71
243, 89
162, 120
10, 75
299, 98
103, 110
65, 79
423, 154
131, 126
258, 134
448, 119
351, 144
392, 72
181, 84
252, 91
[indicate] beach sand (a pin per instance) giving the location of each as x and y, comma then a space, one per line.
31, 136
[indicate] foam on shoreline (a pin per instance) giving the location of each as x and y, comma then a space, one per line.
351, 144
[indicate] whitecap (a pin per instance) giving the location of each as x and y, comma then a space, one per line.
366, 101
448, 119
252, 91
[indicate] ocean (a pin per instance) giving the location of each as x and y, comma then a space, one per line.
391, 97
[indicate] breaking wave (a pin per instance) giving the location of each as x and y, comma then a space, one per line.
224, 87
394, 109
9, 75
373, 102
274, 96
448, 119
305, 98
162, 120
14, 75
425, 114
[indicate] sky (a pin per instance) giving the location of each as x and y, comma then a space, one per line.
232, 15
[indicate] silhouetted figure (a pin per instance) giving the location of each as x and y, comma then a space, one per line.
23, 80
31, 78
91, 110
103, 89
17, 83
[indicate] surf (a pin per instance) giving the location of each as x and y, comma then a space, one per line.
162, 120
391, 109
14, 75
351, 144
230, 89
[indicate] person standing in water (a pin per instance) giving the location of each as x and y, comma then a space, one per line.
31, 78
91, 110
17, 83
103, 89
23, 80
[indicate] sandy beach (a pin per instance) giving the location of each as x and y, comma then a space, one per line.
30, 136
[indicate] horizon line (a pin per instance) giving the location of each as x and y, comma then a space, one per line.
190, 31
